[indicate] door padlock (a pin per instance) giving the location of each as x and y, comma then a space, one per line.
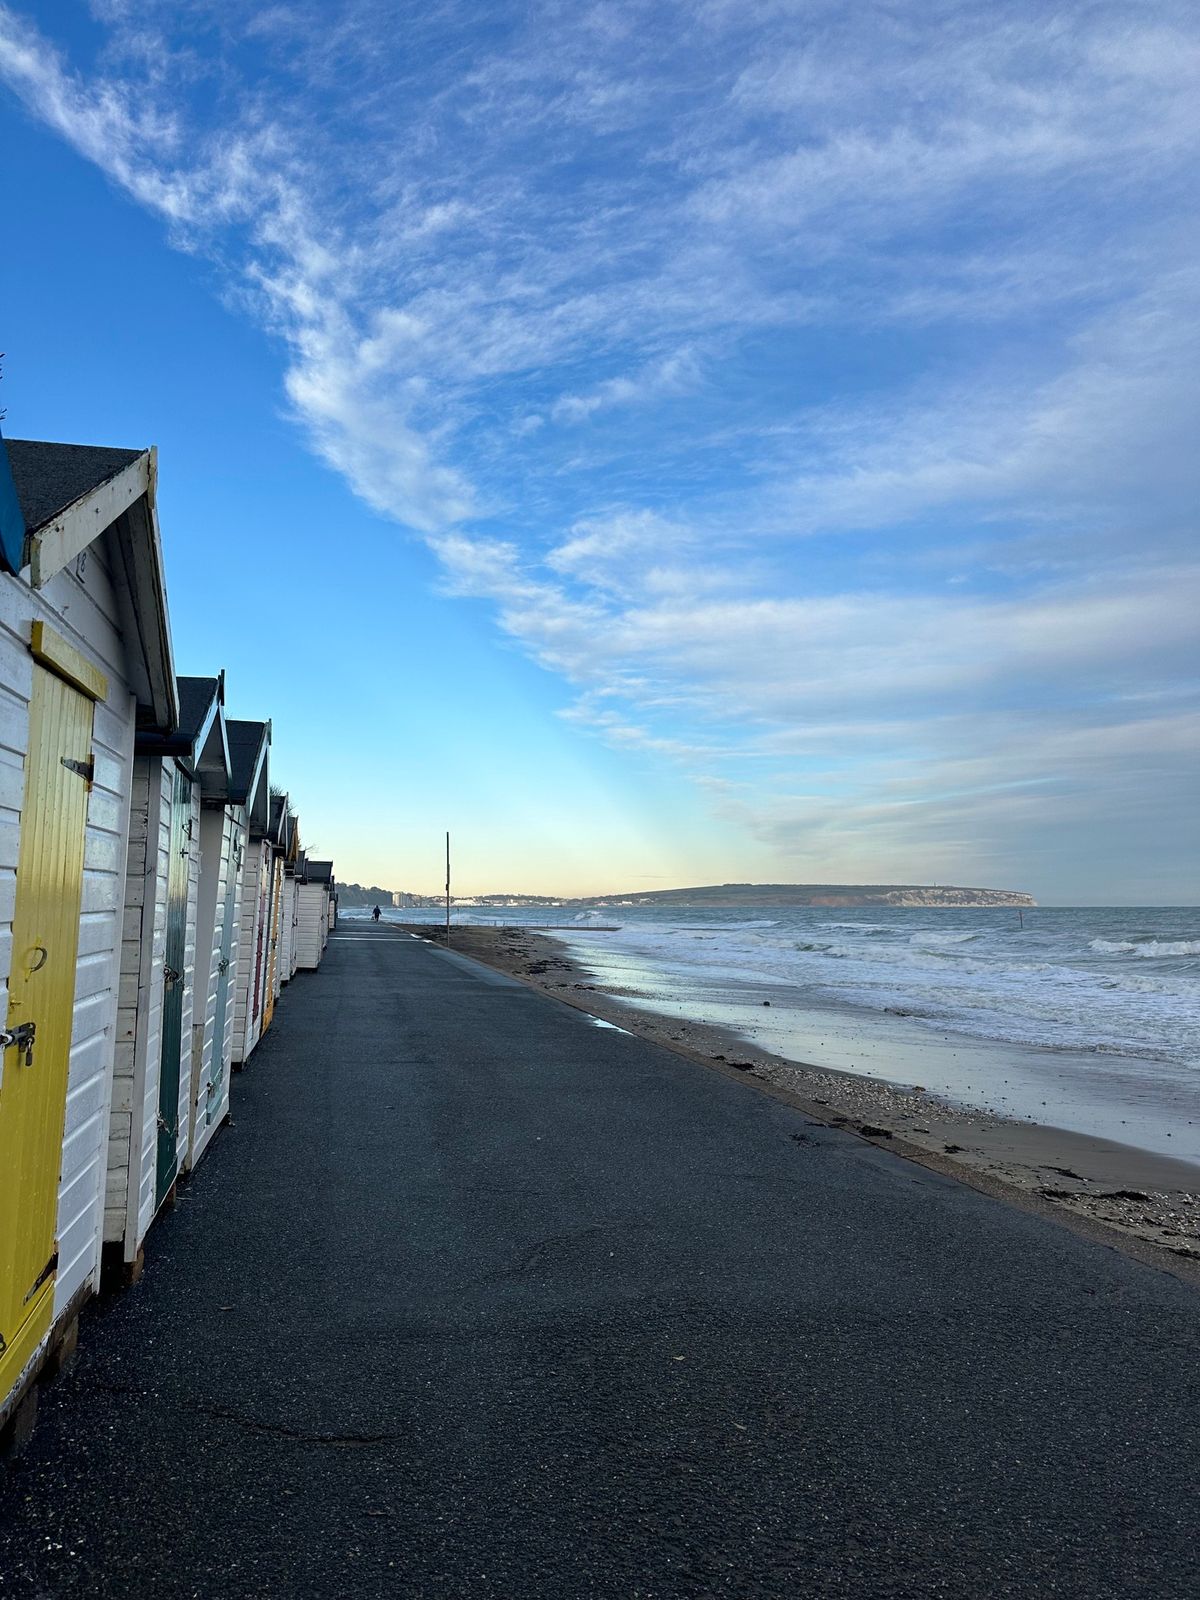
20, 1038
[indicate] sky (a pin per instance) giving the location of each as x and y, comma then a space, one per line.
659, 443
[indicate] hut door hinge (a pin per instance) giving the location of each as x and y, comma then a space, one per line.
85, 769
43, 1276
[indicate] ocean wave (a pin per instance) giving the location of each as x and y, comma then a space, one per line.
836, 952
1146, 949
1123, 996
869, 930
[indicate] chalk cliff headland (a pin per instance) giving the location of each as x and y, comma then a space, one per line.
815, 894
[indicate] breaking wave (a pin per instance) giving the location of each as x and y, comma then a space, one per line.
1064, 979
1145, 949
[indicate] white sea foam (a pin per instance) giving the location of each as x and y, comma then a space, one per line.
868, 930
1146, 949
1093, 981
1069, 980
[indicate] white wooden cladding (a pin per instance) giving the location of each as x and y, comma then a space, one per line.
184, 1119
234, 848
132, 1126
130, 1202
287, 931
221, 853
312, 924
254, 947
295, 967
79, 603
278, 881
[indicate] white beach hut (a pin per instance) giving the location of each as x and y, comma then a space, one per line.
151, 1125
222, 827
287, 910
85, 659
279, 832
315, 879
250, 747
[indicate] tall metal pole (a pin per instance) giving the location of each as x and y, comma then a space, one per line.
447, 891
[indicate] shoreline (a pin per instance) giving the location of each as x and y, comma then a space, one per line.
1145, 1203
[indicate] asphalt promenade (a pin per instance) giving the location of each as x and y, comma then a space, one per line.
478, 1299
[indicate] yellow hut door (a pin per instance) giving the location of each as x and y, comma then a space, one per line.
41, 992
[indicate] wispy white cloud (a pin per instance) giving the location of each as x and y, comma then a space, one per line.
302, 278
903, 712
807, 393
633, 552
675, 374
1002, 103
1107, 430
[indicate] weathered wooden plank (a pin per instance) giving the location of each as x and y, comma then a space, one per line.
74, 529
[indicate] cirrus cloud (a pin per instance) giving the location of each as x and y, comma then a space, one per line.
811, 389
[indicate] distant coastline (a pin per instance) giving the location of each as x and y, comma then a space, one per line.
840, 896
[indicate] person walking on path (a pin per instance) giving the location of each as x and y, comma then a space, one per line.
376, 914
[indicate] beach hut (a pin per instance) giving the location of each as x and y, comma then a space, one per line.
278, 832
315, 879
85, 660
160, 1001
287, 913
250, 744
222, 827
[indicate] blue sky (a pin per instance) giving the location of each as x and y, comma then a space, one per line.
661, 443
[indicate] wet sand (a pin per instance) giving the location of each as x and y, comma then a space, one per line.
1144, 1202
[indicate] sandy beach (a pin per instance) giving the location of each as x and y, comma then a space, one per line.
1145, 1203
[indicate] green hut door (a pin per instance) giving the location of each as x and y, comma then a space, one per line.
225, 976
173, 968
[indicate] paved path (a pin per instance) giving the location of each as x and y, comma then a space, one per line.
477, 1299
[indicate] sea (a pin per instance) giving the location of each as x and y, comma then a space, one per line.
1084, 1017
